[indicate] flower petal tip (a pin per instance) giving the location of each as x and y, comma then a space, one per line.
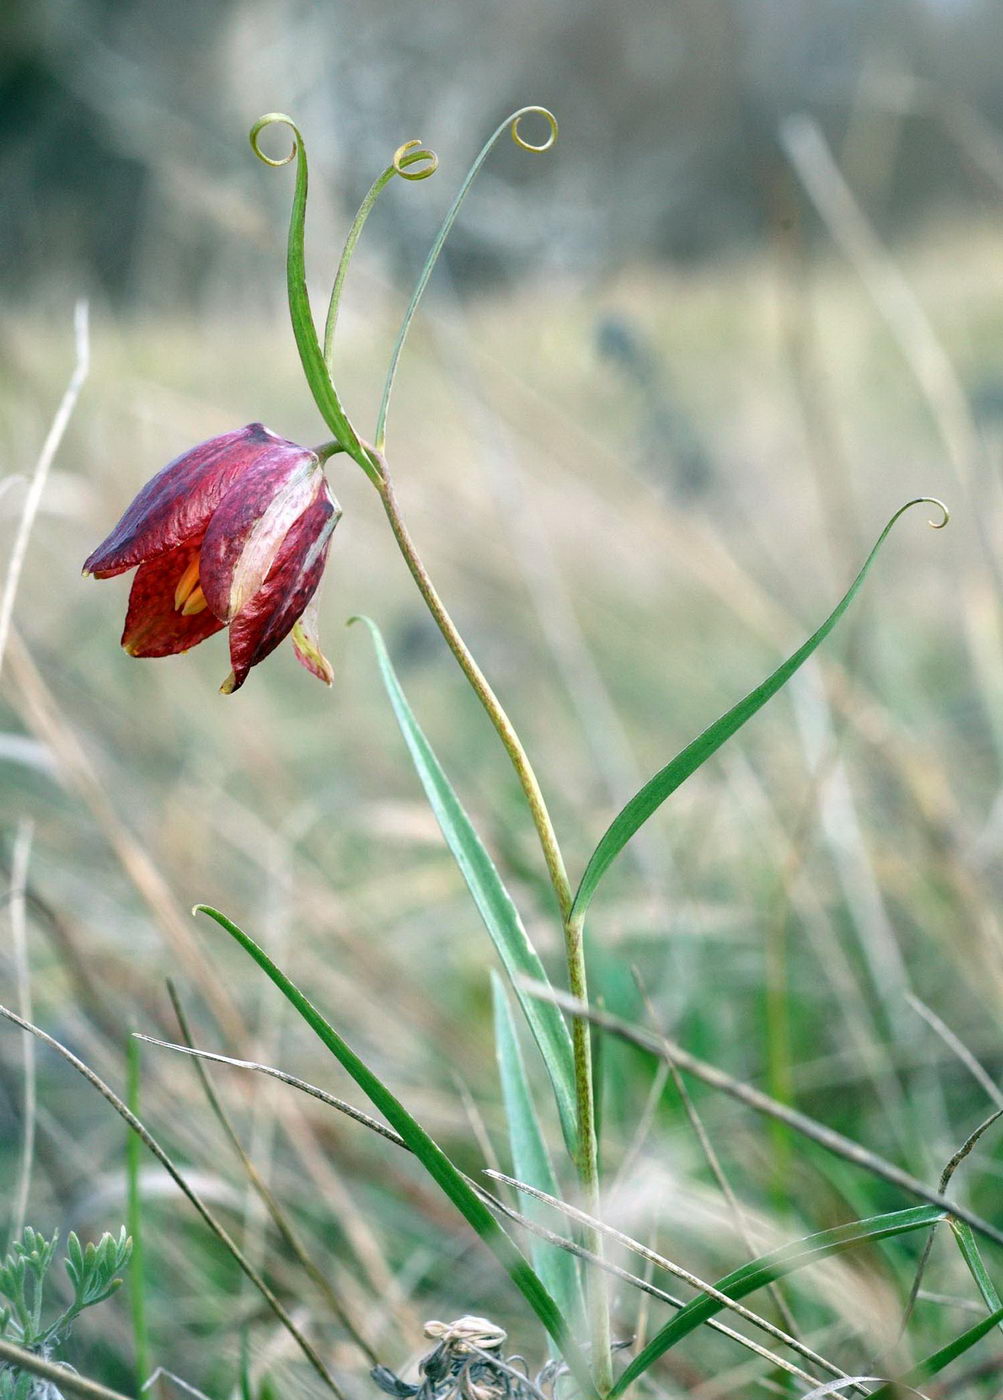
308, 652
229, 685
86, 573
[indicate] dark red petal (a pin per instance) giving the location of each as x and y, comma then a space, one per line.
273, 611
153, 626
248, 529
177, 503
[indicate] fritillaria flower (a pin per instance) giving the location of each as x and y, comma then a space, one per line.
233, 533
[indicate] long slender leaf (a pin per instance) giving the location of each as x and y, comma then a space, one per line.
501, 918
530, 1158
930, 1365
772, 1266
972, 1256
664, 783
431, 1156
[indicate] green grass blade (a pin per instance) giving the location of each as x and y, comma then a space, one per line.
431, 1156
530, 1158
501, 918
664, 783
930, 1365
772, 1266
972, 1256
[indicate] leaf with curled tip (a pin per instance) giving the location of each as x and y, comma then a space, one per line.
650, 797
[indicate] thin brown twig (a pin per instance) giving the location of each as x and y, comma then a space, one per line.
60, 1376
714, 1162
677, 1270
541, 1231
945, 1178
267, 1196
828, 1138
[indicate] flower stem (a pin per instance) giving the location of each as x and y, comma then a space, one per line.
588, 1156
587, 1163
479, 684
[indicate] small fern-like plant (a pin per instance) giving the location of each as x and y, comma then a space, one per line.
25, 1315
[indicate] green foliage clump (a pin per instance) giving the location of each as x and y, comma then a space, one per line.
94, 1271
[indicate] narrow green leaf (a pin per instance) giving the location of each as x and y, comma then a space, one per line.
530, 1158
764, 1270
972, 1256
511, 123
501, 918
938, 1359
664, 783
304, 329
431, 1156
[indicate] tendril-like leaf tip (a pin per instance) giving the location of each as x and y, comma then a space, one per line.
407, 155
935, 501
271, 119
547, 116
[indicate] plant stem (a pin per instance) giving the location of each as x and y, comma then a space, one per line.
478, 682
587, 1157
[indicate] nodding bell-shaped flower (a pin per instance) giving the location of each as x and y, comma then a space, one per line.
233, 533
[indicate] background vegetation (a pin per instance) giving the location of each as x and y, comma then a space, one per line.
673, 379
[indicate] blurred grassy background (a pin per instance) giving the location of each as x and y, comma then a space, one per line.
653, 415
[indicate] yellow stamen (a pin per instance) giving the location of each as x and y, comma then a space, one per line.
194, 603
187, 584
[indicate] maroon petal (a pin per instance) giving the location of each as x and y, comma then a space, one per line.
177, 503
154, 625
251, 524
273, 611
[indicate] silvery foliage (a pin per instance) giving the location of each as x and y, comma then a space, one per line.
94, 1274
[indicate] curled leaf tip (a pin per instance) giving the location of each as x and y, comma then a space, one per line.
410, 154
271, 119
521, 141
944, 511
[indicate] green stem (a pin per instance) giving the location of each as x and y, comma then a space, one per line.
479, 684
587, 1163
588, 1156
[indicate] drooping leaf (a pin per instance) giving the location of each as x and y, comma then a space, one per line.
500, 916
694, 755
428, 1152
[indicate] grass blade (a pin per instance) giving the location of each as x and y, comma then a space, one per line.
431, 1156
530, 1158
764, 1270
664, 783
972, 1256
930, 1365
501, 918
